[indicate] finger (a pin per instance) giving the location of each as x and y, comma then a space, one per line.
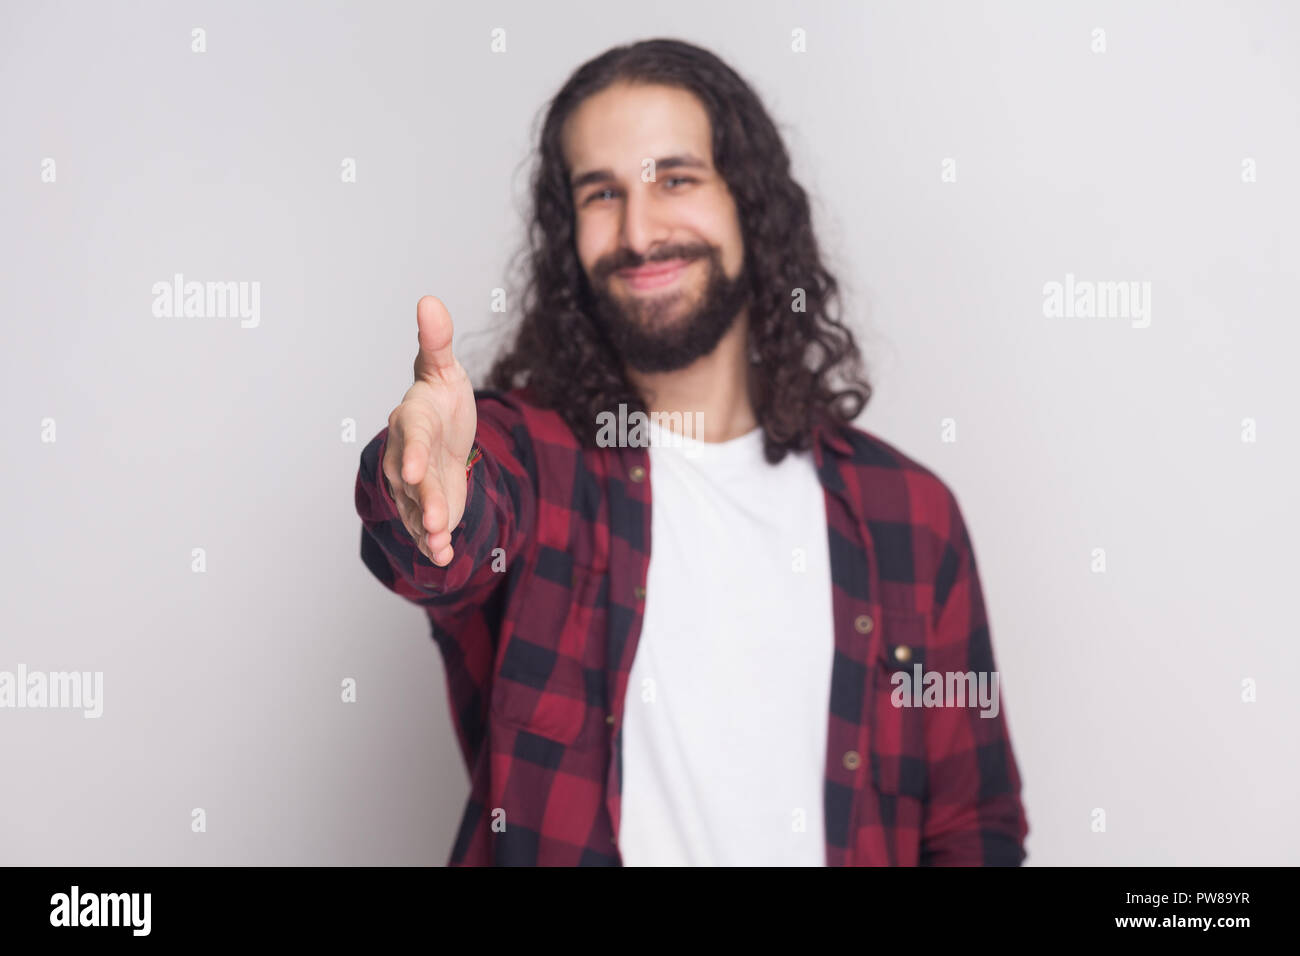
408, 512
439, 540
391, 466
418, 433
436, 546
410, 515
417, 520
435, 330
433, 504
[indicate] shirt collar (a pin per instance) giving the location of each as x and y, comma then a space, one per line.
833, 436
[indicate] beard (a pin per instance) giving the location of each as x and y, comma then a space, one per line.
643, 329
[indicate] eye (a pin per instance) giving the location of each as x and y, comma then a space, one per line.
596, 195
679, 179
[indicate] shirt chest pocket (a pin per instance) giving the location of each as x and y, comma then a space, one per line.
550, 680
898, 765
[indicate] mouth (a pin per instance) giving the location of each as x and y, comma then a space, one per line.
654, 275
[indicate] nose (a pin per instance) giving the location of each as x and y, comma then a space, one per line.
644, 223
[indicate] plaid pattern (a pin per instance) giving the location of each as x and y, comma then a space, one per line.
537, 618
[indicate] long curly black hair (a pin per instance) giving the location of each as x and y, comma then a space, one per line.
808, 366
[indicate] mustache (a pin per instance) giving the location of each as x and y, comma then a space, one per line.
627, 259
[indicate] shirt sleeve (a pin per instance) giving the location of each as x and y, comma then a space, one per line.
500, 514
973, 813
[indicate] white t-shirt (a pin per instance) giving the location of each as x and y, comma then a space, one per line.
725, 719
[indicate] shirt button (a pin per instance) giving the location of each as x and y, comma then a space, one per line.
864, 624
852, 760
639, 592
609, 718
902, 653
636, 473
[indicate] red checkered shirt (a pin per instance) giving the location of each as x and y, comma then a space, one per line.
538, 614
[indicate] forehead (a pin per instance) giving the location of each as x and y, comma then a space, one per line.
625, 123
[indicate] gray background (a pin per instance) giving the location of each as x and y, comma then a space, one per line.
222, 688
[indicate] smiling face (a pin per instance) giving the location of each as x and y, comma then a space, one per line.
663, 257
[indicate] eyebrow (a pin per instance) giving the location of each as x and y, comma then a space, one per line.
683, 161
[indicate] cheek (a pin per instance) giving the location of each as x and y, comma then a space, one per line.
724, 225
733, 251
591, 241
734, 256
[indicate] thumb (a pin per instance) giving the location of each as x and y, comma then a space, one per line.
435, 329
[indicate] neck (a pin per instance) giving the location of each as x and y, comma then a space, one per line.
717, 386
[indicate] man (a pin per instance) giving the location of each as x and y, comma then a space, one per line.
726, 696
